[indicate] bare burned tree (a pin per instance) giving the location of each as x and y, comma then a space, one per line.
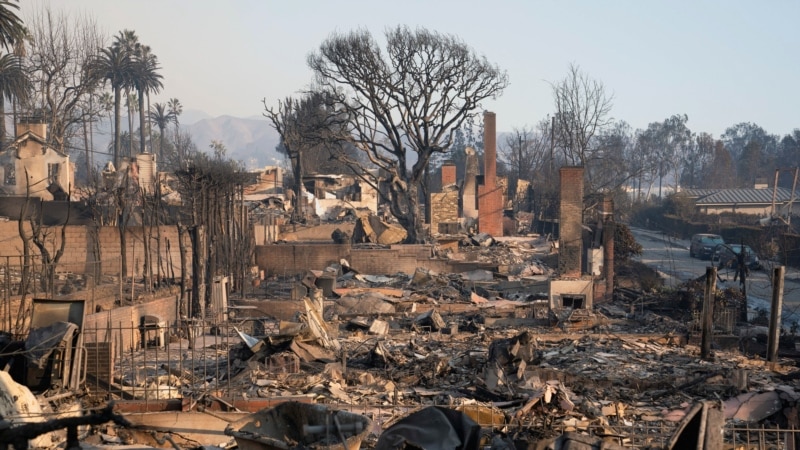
405, 105
60, 50
310, 132
51, 249
525, 151
582, 108
211, 191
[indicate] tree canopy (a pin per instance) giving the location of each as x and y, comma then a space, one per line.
404, 104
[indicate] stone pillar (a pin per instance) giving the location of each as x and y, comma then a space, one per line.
570, 243
609, 229
469, 192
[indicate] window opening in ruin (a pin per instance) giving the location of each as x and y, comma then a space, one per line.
10, 178
52, 172
573, 301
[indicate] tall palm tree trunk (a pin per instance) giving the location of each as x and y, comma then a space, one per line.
117, 123
142, 130
2, 121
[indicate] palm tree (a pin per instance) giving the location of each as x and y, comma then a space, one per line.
162, 118
128, 42
132, 104
14, 84
176, 109
12, 29
114, 65
147, 80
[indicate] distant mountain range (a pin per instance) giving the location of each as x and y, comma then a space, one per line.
249, 140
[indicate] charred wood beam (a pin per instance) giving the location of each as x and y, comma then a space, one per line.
18, 436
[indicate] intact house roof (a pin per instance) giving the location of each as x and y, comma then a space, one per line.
743, 196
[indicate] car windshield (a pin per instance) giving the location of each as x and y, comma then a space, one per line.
712, 240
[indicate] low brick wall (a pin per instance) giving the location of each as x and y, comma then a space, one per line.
295, 259
78, 255
120, 325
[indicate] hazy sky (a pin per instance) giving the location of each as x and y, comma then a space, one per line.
721, 62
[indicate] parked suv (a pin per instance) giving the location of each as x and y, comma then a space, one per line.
727, 256
703, 245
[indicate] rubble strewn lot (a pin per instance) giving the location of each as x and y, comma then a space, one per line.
485, 343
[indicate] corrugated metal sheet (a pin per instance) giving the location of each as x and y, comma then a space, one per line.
744, 196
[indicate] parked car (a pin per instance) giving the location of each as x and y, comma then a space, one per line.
703, 245
727, 256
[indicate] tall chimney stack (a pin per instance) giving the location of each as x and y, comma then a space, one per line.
489, 149
490, 196
570, 222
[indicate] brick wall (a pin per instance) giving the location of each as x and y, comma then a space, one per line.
78, 256
295, 259
489, 148
490, 195
120, 326
100, 360
448, 173
570, 221
490, 210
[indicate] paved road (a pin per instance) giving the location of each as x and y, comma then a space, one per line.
670, 256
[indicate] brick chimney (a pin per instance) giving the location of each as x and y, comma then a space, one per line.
608, 244
490, 196
448, 173
38, 128
570, 221
489, 149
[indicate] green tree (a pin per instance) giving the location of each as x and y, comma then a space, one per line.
405, 104
610, 167
132, 105
722, 172
146, 80
696, 160
128, 42
750, 160
14, 85
674, 138
162, 118
12, 29
113, 65
175, 108
738, 136
219, 148
625, 245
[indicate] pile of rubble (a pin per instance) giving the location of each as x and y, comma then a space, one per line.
486, 344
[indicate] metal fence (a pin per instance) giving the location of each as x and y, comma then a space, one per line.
724, 320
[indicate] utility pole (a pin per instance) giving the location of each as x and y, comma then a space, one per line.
791, 198
707, 318
775, 316
552, 142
